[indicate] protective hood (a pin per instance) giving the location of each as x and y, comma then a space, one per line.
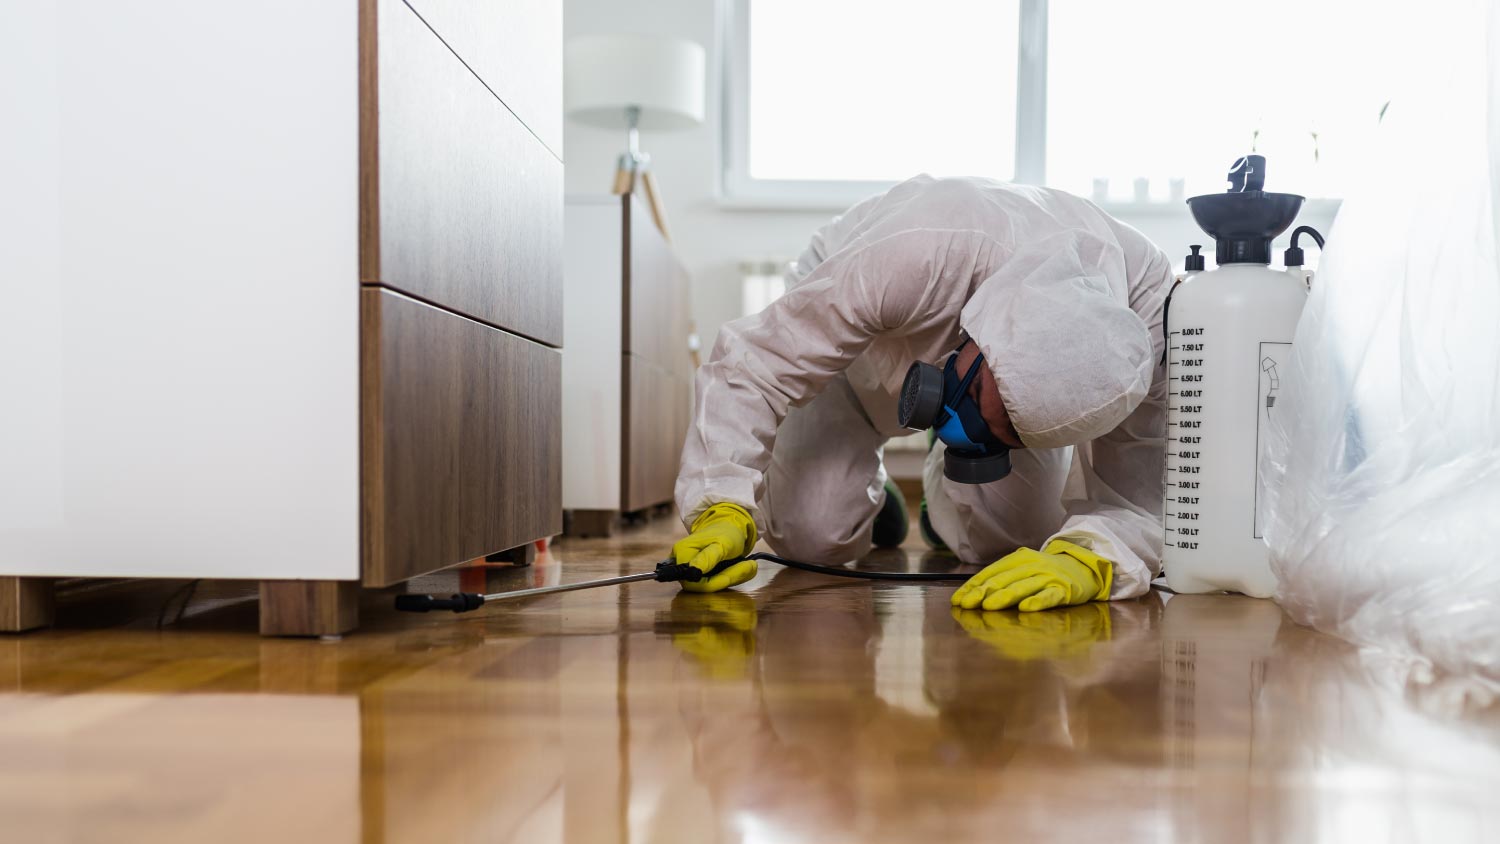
1070, 357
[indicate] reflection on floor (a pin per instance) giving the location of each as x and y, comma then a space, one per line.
799, 709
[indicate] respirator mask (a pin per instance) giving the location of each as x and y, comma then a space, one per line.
939, 399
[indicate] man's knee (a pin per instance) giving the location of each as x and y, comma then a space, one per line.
811, 542
982, 523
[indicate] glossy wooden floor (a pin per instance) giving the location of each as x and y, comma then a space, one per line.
802, 709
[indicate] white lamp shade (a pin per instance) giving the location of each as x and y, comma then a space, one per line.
607, 74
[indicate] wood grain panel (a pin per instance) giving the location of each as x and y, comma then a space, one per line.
656, 415
656, 311
587, 523
515, 47
26, 603
460, 441
461, 203
369, 140
308, 607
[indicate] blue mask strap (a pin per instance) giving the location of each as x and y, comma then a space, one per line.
963, 384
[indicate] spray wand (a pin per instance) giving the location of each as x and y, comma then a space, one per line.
667, 571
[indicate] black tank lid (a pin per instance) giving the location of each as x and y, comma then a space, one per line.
1244, 220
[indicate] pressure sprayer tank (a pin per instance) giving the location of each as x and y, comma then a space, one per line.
1229, 341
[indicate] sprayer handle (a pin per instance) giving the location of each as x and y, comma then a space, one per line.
668, 571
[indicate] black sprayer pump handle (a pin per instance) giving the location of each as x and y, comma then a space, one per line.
1248, 174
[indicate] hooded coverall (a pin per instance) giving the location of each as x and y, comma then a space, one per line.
795, 404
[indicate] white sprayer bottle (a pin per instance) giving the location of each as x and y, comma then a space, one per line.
1229, 339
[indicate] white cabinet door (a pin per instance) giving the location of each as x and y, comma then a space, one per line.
178, 289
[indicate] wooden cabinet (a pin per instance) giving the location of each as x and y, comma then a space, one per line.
463, 202
627, 371
461, 447
462, 306
654, 424
297, 316
515, 48
656, 297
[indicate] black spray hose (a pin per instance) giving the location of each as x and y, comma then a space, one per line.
862, 574
666, 571
1310, 232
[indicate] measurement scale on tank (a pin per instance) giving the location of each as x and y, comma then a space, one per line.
1184, 438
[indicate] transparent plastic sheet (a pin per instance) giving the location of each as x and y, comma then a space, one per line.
1384, 467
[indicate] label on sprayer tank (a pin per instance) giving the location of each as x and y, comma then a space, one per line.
1274, 357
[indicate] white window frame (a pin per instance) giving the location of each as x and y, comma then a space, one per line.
738, 189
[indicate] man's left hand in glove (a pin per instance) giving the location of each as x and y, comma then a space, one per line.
1064, 574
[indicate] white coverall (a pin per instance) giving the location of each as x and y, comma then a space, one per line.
795, 403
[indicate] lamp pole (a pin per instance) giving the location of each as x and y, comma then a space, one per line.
633, 165
633, 130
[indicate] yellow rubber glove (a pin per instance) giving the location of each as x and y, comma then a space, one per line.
1064, 574
722, 532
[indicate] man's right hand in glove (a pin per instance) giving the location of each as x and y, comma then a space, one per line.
722, 532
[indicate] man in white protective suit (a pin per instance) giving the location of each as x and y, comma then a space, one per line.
1045, 315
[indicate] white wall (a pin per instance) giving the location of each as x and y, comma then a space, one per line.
712, 240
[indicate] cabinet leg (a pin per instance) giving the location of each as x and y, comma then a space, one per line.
521, 555
308, 607
585, 523
26, 603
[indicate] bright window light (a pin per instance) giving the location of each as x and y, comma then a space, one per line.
881, 90
1174, 90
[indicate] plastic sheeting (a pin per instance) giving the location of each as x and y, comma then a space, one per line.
1384, 512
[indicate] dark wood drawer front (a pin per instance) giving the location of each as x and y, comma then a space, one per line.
515, 47
656, 293
468, 202
656, 416
460, 445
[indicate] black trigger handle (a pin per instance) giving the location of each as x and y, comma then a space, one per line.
669, 571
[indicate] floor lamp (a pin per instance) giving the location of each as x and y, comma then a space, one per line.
638, 83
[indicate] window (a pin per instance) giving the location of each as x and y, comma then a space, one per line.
1135, 102
838, 98
862, 108
1170, 91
